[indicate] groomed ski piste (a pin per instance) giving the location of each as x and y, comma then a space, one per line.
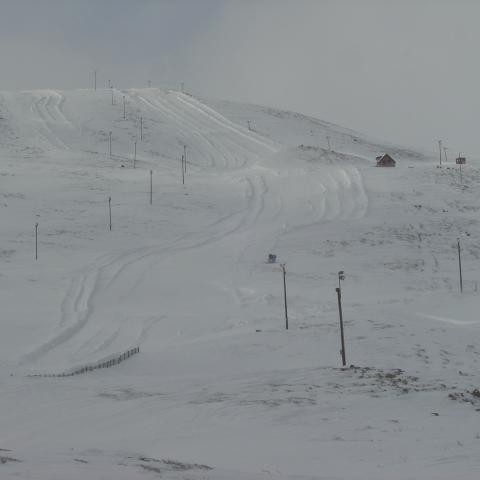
219, 389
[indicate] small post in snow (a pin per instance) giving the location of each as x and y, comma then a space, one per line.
282, 266
185, 158
183, 171
460, 265
110, 212
151, 187
328, 143
249, 125
341, 276
110, 142
440, 148
36, 241
95, 80
113, 103
124, 116
134, 153
141, 128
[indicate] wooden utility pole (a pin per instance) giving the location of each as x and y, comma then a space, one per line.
440, 149
151, 187
285, 294
110, 142
36, 241
134, 153
341, 276
460, 265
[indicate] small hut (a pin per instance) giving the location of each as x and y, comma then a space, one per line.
385, 160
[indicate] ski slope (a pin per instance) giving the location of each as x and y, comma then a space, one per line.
218, 382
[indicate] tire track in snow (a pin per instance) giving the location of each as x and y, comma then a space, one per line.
225, 123
209, 127
39, 108
199, 135
203, 131
77, 307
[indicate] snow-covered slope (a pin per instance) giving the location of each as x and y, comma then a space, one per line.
219, 381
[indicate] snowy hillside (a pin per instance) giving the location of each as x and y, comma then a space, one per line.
219, 388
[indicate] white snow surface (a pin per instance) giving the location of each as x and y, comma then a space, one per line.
220, 389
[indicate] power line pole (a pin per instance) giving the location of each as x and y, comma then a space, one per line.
460, 265
285, 293
341, 276
110, 212
36, 241
440, 148
151, 187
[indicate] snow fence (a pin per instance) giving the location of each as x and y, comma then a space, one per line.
106, 363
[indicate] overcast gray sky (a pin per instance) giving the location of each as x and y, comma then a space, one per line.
405, 71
